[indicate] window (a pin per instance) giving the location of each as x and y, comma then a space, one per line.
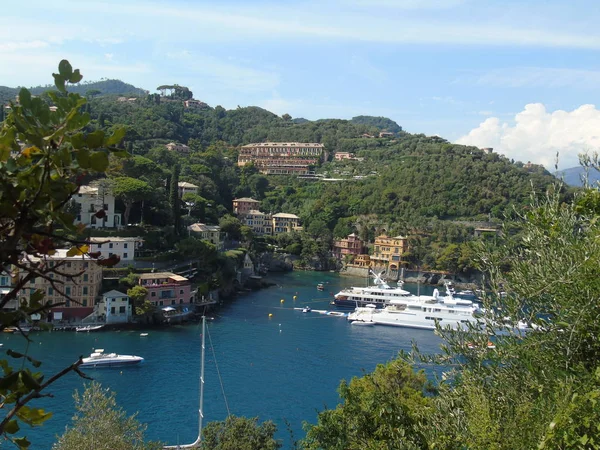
173, 302
112, 310
99, 246
160, 303
121, 309
68, 290
110, 245
181, 291
84, 302
67, 303
125, 255
50, 291
85, 265
106, 207
85, 277
153, 294
125, 245
85, 290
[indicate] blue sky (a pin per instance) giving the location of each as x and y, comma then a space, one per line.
519, 76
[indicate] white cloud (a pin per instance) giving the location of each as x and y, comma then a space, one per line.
109, 56
22, 45
547, 77
536, 135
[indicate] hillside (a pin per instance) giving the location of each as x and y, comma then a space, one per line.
105, 87
573, 176
407, 179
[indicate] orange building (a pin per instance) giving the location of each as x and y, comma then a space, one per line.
242, 206
281, 158
389, 250
352, 245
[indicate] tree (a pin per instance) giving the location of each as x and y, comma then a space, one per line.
174, 199
137, 294
100, 424
232, 226
239, 433
44, 155
130, 190
385, 409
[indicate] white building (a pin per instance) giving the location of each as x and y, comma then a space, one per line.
115, 307
187, 188
123, 247
92, 199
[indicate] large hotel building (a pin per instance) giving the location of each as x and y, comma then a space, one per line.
281, 158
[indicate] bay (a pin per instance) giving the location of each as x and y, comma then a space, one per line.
283, 368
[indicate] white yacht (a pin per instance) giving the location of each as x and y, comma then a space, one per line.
100, 359
420, 312
379, 295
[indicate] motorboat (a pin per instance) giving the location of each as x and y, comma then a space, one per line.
89, 328
321, 287
422, 312
101, 359
379, 295
306, 309
363, 323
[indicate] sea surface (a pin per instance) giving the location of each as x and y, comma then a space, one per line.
283, 368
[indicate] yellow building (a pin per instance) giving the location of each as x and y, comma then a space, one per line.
211, 233
285, 223
389, 250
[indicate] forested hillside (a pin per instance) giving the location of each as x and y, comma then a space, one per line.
105, 87
398, 183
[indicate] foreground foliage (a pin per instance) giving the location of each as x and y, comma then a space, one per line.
239, 433
535, 389
44, 155
100, 424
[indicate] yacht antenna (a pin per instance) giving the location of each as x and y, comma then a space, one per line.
198, 440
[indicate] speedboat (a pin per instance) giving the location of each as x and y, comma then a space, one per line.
89, 328
306, 309
363, 323
101, 359
321, 286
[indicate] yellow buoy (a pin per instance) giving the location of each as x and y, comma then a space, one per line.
295, 297
282, 300
270, 315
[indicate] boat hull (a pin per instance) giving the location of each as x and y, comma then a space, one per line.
111, 363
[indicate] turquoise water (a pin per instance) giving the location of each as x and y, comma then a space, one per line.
283, 368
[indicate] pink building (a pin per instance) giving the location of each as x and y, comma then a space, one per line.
352, 245
166, 288
343, 155
243, 206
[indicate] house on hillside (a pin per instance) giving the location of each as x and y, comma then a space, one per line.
187, 188
93, 198
166, 288
115, 307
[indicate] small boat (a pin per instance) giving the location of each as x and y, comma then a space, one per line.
362, 323
321, 286
143, 334
100, 359
306, 309
89, 328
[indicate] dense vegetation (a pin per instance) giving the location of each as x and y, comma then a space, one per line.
535, 390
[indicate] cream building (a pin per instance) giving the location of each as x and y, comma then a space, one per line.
211, 233
92, 199
123, 247
82, 288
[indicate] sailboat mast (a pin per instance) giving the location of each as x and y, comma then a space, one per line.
196, 443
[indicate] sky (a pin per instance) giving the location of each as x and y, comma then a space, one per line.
520, 76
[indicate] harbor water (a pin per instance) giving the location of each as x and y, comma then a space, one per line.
264, 359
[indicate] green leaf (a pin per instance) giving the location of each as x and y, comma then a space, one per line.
78, 140
29, 381
22, 442
12, 427
76, 77
9, 380
95, 139
25, 98
83, 158
65, 69
59, 82
116, 137
99, 161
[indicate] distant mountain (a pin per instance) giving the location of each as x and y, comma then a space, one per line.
110, 87
574, 175
383, 123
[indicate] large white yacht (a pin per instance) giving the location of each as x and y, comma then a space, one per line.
420, 312
379, 295
100, 359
